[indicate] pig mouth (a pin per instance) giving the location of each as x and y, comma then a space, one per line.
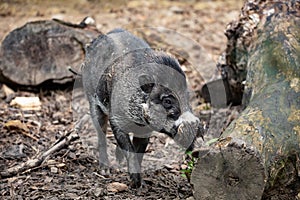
185, 134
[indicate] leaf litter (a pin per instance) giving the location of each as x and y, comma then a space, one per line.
73, 172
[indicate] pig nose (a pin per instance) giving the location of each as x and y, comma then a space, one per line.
186, 134
188, 128
187, 117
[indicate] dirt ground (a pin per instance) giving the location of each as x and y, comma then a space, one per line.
73, 172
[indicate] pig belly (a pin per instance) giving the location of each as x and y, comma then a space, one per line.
137, 130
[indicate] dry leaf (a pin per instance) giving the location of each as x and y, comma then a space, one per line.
116, 187
16, 125
21, 127
27, 103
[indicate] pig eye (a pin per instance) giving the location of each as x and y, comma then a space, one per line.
167, 102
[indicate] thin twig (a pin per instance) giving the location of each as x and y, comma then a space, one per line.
40, 158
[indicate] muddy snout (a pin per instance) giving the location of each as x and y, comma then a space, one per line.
188, 129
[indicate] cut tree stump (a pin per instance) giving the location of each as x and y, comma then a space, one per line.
258, 155
37, 55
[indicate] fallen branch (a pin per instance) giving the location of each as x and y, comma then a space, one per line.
40, 158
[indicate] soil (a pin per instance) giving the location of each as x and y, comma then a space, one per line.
73, 172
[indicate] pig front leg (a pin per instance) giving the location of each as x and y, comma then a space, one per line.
100, 123
140, 145
129, 151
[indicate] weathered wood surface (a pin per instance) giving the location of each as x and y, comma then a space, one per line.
42, 51
258, 155
232, 65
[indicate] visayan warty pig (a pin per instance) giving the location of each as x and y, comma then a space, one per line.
138, 90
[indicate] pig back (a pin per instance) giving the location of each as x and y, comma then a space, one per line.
103, 52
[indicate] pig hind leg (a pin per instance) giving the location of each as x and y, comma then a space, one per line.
119, 155
100, 123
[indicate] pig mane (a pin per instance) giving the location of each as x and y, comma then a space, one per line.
163, 59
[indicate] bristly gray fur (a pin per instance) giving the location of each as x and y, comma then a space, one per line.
138, 90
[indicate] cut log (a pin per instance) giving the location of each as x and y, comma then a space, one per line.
258, 155
37, 55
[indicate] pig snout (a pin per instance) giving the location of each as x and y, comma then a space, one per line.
188, 128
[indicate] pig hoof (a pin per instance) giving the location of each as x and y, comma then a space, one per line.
141, 190
136, 180
104, 170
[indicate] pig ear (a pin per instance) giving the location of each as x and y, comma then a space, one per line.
146, 83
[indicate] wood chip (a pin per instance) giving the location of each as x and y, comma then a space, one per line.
116, 187
7, 91
169, 167
54, 170
27, 103
60, 165
48, 179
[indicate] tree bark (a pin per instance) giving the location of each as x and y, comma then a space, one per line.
258, 155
